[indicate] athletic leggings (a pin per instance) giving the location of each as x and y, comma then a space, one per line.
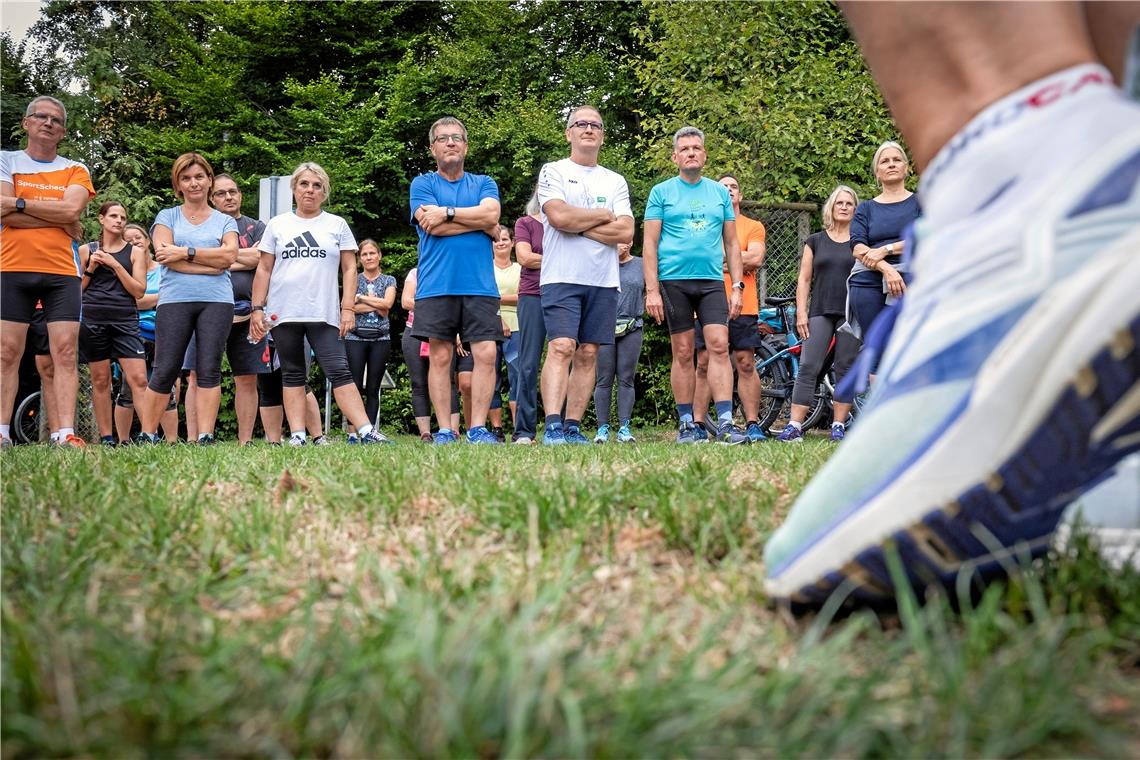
418, 373
327, 345
814, 353
373, 356
174, 324
619, 359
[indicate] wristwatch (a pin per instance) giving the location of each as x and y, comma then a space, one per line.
738, 285
451, 213
21, 204
191, 252
257, 307
890, 249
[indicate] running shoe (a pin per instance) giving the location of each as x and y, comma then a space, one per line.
322, 440
730, 435
553, 437
838, 432
791, 434
699, 433
755, 432
374, 437
481, 435
353, 439
500, 436
625, 435
523, 440
72, 441
603, 434
146, 438
1010, 383
686, 433
296, 440
426, 437
574, 436
207, 439
444, 437
5, 443
108, 441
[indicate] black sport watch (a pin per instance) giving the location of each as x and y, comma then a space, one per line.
451, 213
739, 285
21, 204
191, 252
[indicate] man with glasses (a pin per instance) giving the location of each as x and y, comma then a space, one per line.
247, 360
690, 231
586, 214
42, 196
456, 214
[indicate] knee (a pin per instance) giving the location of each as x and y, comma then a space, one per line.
101, 378
562, 349
717, 345
587, 353
745, 362
484, 353
11, 350
683, 354
245, 384
702, 363
65, 352
464, 382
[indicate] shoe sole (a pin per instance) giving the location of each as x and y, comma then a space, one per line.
1074, 367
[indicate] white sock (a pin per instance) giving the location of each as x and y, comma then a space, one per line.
300, 435
796, 425
5, 431
64, 432
363, 430
55, 437
1033, 136
838, 425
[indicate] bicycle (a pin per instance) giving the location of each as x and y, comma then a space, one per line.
778, 364
26, 420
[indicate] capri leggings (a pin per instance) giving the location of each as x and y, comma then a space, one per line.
174, 324
373, 356
620, 360
418, 373
327, 345
820, 330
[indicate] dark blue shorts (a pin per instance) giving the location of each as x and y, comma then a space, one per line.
585, 313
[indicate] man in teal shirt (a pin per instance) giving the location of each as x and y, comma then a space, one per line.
690, 231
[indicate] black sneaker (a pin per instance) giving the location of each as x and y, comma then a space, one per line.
206, 439
146, 438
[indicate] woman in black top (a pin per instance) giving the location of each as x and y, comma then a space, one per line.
824, 270
114, 276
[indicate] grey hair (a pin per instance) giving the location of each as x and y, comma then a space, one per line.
316, 169
829, 204
584, 107
687, 132
48, 99
878, 153
532, 206
446, 120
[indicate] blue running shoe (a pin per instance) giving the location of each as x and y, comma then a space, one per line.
791, 434
700, 433
625, 435
687, 433
603, 434
444, 437
574, 436
376, 437
730, 435
1010, 384
553, 437
755, 432
838, 432
481, 435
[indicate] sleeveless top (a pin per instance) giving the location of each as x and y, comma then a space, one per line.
105, 300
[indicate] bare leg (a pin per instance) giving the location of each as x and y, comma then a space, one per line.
271, 417
556, 373
46, 370
124, 416
839, 412
245, 405
583, 376
101, 395
939, 64
313, 420
12, 339
63, 337
190, 400
747, 384
439, 379
351, 405
207, 405
720, 370
701, 396
423, 425
483, 380
294, 398
134, 375
682, 374
463, 380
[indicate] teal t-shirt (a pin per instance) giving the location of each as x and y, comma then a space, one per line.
692, 227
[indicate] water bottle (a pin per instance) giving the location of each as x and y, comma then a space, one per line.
370, 291
269, 321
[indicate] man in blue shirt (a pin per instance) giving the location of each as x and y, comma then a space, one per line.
455, 213
690, 230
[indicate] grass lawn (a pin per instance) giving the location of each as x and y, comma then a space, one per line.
594, 601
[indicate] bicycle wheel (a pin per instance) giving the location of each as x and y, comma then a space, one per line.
775, 385
820, 412
26, 421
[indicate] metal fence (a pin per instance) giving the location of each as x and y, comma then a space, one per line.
788, 226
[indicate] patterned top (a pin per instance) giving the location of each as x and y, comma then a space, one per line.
376, 288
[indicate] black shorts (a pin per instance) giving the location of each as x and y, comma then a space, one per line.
743, 335
61, 294
683, 297
114, 340
245, 358
473, 318
37, 340
465, 363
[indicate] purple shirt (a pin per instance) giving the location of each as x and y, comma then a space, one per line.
529, 230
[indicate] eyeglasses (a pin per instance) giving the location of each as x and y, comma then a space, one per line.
55, 121
588, 125
226, 193
450, 138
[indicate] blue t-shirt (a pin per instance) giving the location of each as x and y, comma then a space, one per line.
692, 217
179, 287
457, 265
146, 316
875, 224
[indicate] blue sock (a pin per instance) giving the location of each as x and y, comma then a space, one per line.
685, 412
724, 411
572, 424
554, 421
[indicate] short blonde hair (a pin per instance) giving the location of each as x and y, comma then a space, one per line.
829, 204
878, 154
316, 169
184, 162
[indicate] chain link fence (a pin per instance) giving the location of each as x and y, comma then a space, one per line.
788, 226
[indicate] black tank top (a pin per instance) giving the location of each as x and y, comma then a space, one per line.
105, 300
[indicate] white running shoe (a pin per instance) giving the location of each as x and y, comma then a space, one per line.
1010, 383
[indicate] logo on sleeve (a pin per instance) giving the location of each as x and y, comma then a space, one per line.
304, 246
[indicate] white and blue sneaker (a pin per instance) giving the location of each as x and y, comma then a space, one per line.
603, 434
625, 435
1009, 385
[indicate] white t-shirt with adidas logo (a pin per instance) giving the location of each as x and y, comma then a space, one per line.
305, 284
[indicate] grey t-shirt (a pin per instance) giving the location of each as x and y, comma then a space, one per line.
631, 300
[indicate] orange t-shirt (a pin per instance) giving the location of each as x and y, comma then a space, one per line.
747, 231
46, 250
